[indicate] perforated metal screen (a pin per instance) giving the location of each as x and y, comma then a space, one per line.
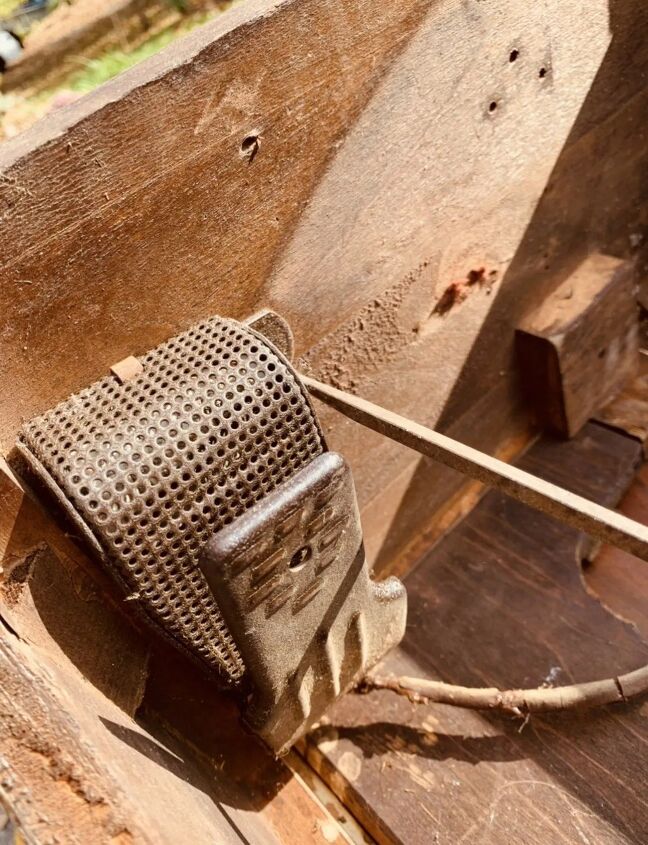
151, 468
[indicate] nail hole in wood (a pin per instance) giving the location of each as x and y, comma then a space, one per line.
513, 55
542, 72
492, 106
250, 146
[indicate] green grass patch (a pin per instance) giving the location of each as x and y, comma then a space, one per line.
19, 111
113, 62
7, 7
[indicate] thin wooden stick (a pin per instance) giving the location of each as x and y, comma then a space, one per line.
600, 522
519, 702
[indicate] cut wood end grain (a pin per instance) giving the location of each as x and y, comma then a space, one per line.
579, 347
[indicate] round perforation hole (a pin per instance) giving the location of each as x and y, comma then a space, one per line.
301, 557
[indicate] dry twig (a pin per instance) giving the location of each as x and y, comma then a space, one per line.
518, 702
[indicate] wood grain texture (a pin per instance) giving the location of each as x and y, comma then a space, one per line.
628, 411
581, 345
500, 601
615, 577
144, 197
382, 179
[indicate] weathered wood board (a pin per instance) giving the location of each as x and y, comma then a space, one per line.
617, 578
427, 171
581, 345
405, 150
500, 602
628, 411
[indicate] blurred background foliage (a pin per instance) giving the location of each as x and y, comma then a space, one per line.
41, 21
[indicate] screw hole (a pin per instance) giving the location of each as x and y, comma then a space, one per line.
300, 558
514, 55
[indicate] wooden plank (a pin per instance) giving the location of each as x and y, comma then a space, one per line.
613, 575
628, 411
580, 346
121, 181
153, 195
500, 601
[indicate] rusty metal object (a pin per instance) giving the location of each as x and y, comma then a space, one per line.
150, 468
292, 581
574, 510
275, 329
210, 440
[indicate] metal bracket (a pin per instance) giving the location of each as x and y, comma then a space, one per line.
292, 581
274, 329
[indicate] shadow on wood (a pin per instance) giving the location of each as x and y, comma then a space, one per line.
500, 602
594, 199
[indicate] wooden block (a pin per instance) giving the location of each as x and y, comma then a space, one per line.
580, 346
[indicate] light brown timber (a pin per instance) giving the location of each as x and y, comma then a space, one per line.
581, 345
382, 178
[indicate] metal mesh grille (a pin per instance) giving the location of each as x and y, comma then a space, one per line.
154, 466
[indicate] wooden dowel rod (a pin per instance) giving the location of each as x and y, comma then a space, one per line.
574, 510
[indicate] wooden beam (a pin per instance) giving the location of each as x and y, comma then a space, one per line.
579, 347
136, 212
